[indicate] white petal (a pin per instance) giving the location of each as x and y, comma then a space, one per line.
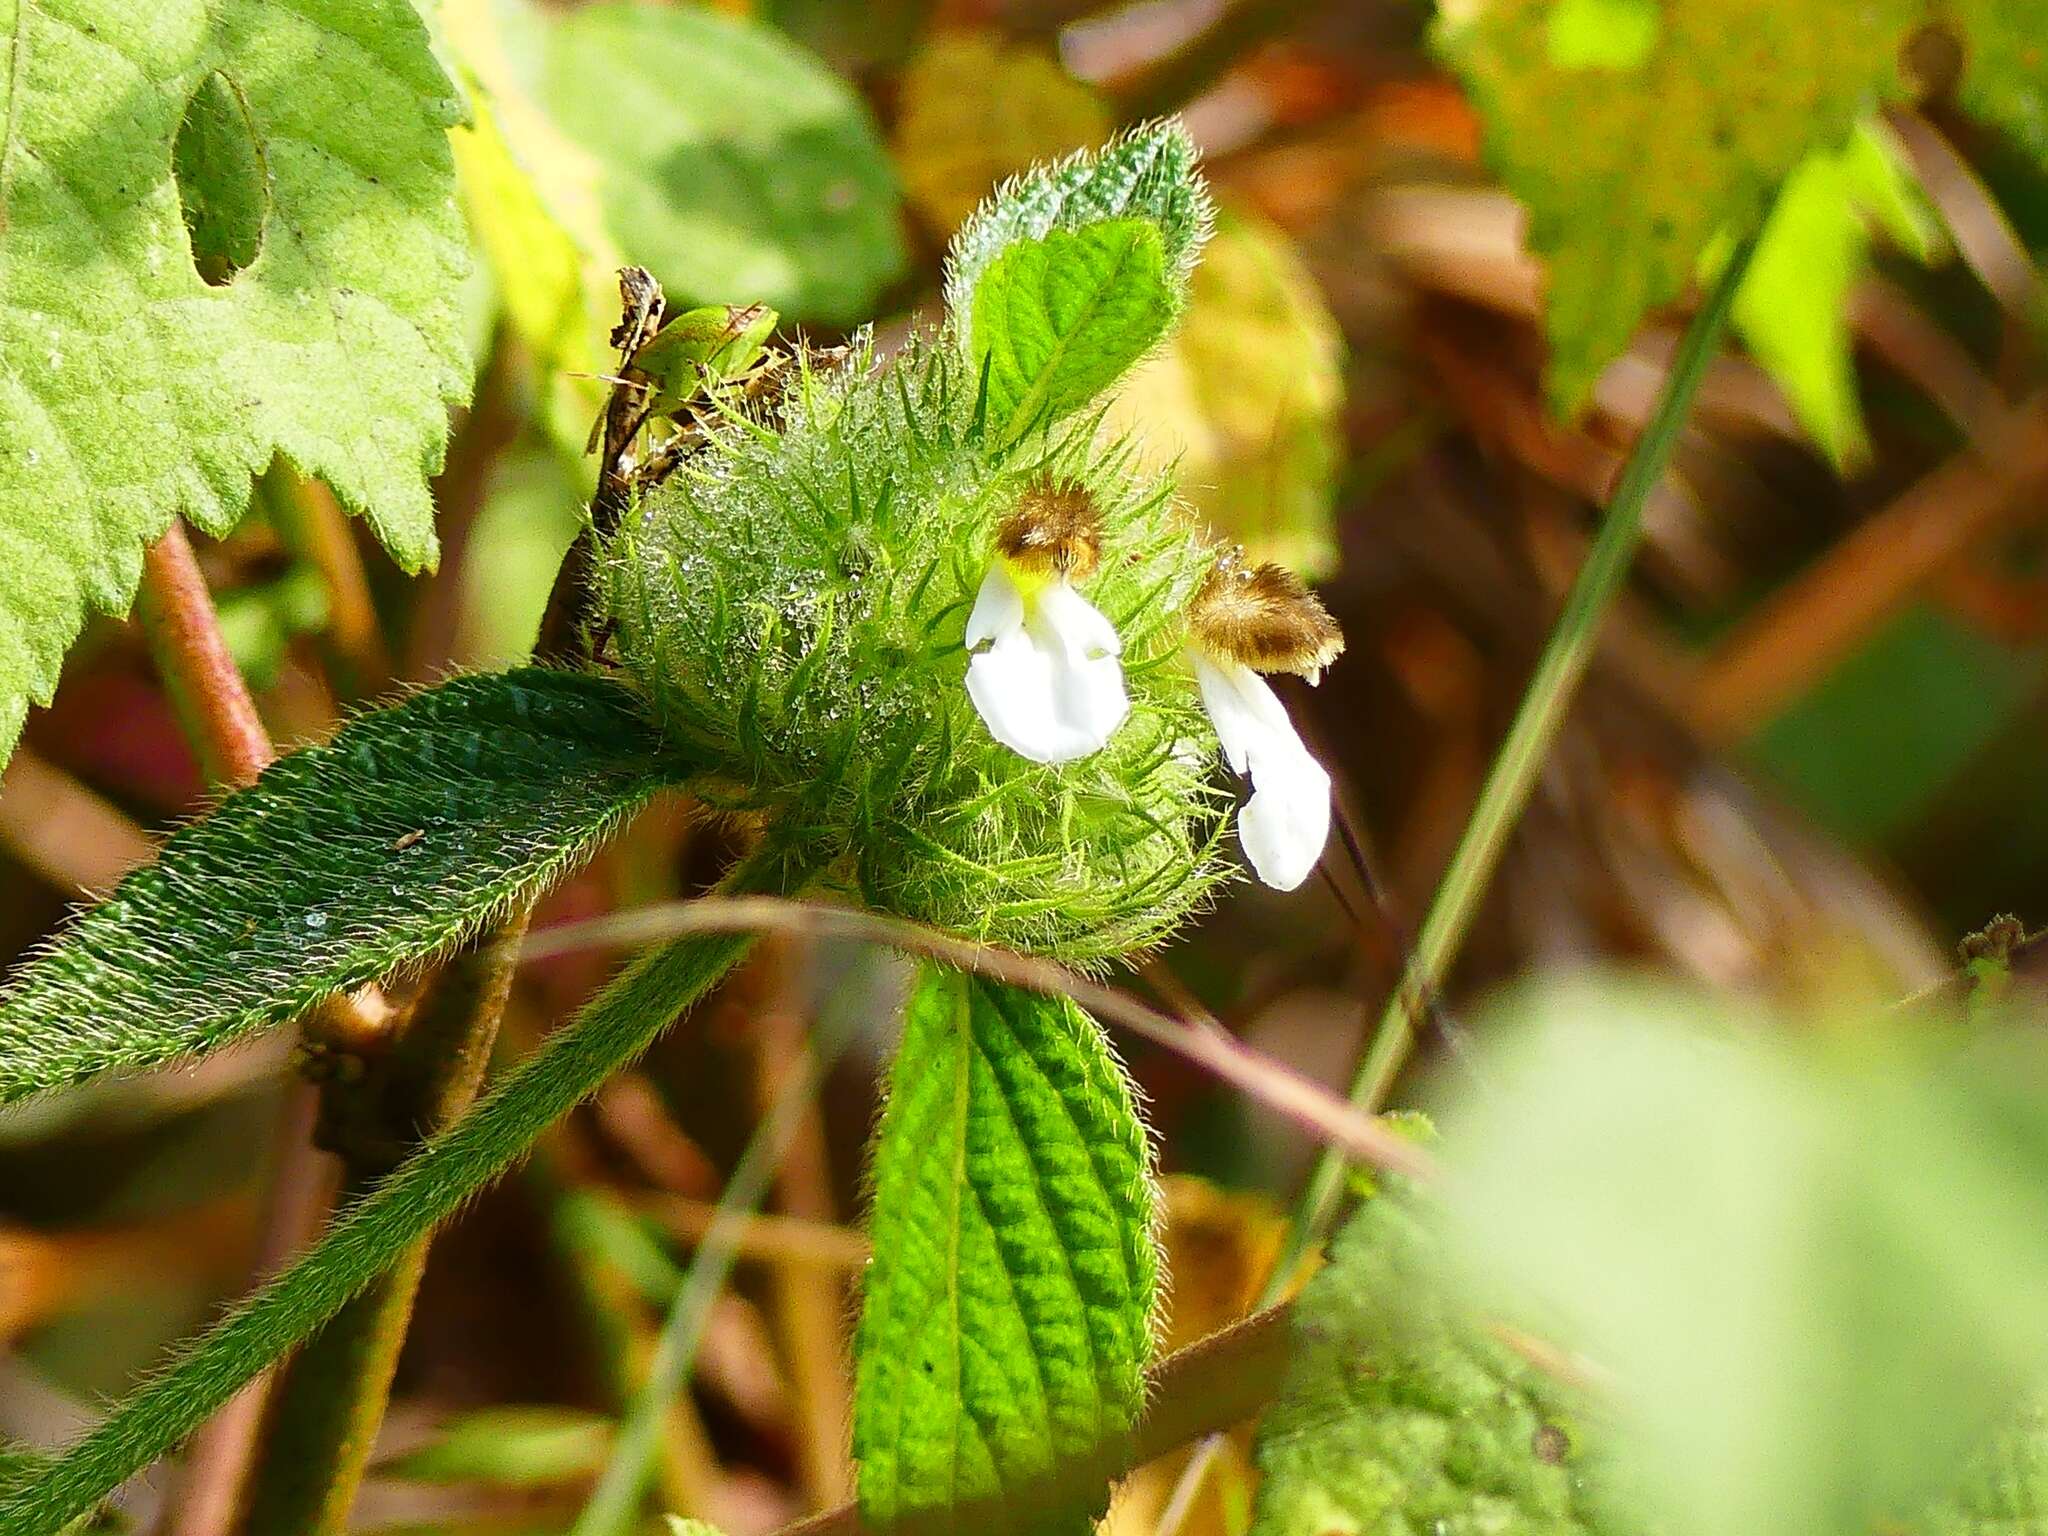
1078, 623
1089, 695
1242, 706
1050, 687
1037, 705
998, 607
1284, 825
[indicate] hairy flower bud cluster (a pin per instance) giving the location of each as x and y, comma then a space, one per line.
952, 672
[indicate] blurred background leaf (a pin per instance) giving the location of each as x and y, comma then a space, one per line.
1806, 1264
1243, 398
763, 181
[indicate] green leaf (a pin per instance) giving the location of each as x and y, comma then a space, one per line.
735, 166
1149, 173
1007, 1316
1815, 249
369, 1234
1638, 135
1403, 1412
413, 829
1059, 319
295, 155
1812, 1262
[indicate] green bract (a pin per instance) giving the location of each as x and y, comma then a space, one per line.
794, 598
794, 601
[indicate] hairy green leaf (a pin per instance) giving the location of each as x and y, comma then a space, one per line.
1007, 1316
1059, 319
414, 828
1636, 135
1403, 1411
1148, 174
230, 235
371, 1233
735, 166
1811, 1261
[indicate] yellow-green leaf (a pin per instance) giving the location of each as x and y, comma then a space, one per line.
976, 109
531, 197
1245, 397
1793, 307
1639, 131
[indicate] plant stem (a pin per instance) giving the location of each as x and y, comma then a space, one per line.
335, 1392
198, 670
219, 719
614, 1506
368, 1236
1548, 699
1544, 705
331, 1397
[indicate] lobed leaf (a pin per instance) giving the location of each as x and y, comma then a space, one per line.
736, 167
414, 828
1148, 174
1402, 1411
230, 235
1007, 1315
1059, 319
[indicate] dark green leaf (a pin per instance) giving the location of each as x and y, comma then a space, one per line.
1008, 1308
414, 828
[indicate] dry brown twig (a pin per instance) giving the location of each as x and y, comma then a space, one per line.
1359, 1135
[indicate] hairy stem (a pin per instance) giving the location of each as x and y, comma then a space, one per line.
614, 1506
1545, 703
331, 1398
370, 1235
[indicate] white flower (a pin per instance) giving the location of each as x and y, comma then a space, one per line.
1049, 685
1287, 820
